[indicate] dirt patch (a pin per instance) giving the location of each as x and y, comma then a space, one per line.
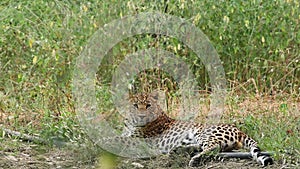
23, 155
15, 154
171, 162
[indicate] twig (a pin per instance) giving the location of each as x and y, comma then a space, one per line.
24, 137
35, 139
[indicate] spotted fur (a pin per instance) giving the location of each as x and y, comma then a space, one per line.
147, 120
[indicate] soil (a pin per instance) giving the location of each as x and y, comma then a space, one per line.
16, 154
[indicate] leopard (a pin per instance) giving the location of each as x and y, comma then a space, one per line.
147, 120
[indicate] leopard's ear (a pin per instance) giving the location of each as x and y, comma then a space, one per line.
159, 98
154, 94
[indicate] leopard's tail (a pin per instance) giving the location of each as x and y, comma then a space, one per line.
256, 152
259, 157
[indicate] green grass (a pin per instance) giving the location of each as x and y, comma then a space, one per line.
274, 123
257, 41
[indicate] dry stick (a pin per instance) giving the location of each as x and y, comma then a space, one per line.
24, 137
242, 86
284, 76
256, 89
34, 139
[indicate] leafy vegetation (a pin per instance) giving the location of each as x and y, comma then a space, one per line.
257, 41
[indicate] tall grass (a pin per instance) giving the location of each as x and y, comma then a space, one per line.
258, 41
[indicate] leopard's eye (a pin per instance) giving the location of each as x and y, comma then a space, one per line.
136, 105
148, 105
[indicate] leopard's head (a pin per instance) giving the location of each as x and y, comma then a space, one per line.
144, 109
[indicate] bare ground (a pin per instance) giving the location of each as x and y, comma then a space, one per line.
23, 155
16, 154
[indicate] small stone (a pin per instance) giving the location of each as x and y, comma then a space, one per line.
137, 165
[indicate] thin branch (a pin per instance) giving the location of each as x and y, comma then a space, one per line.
24, 137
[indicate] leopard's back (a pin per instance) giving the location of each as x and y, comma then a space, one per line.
157, 128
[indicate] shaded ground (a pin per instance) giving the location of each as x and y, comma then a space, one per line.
16, 154
167, 162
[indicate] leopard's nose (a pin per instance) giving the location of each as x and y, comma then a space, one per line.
142, 115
